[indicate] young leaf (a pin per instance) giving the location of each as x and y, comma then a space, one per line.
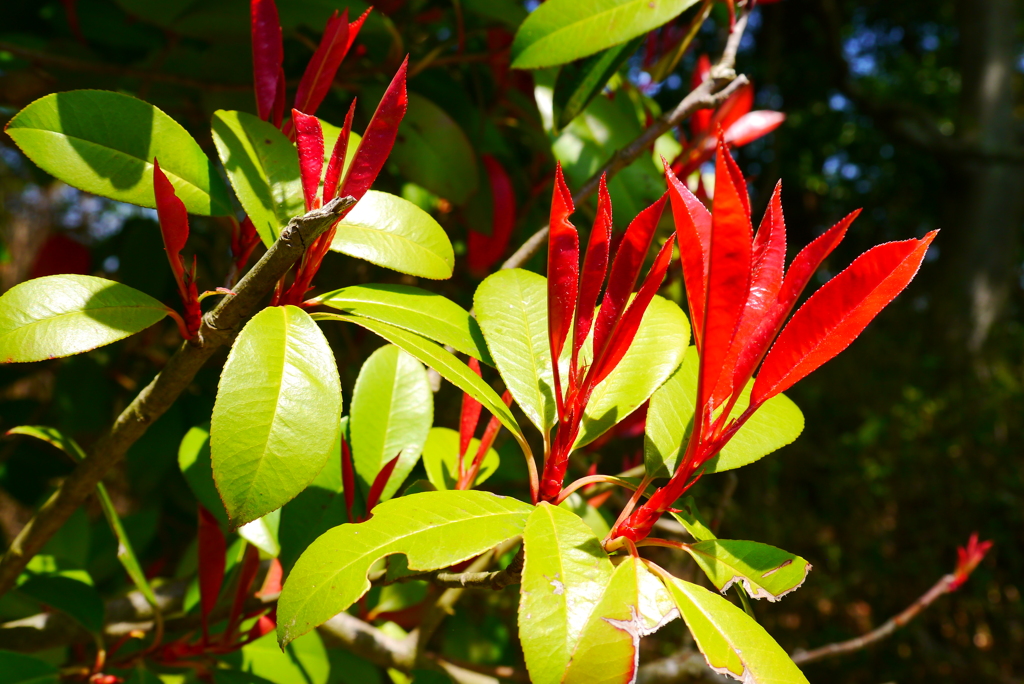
19, 668
563, 273
70, 136
414, 309
309, 142
656, 351
212, 551
561, 31
775, 424
565, 575
441, 458
763, 570
267, 56
61, 315
834, 315
693, 230
580, 82
395, 233
391, 413
689, 517
730, 640
275, 420
79, 600
323, 65
511, 306
432, 529
635, 604
483, 251
595, 268
379, 482
263, 168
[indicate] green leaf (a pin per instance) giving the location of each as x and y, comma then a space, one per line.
417, 310
433, 529
730, 640
763, 570
125, 552
263, 533
391, 414
656, 351
564, 578
579, 83
590, 515
449, 367
561, 31
78, 599
635, 604
61, 315
263, 168
433, 152
276, 415
194, 462
303, 660
441, 458
394, 233
19, 668
104, 143
689, 517
511, 306
777, 423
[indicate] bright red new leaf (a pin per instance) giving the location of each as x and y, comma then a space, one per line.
483, 251
469, 418
211, 547
700, 122
379, 482
338, 155
595, 269
752, 126
563, 273
968, 558
267, 57
693, 230
173, 219
348, 478
310, 143
334, 45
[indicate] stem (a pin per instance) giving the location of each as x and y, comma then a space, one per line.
631, 504
592, 479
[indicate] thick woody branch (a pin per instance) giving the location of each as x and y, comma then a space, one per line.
720, 84
218, 328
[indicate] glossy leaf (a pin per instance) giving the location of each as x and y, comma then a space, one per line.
441, 458
79, 600
263, 533
275, 420
19, 668
316, 80
579, 83
635, 604
763, 570
391, 414
595, 269
69, 135
561, 31
267, 55
61, 315
434, 152
394, 233
309, 143
414, 309
378, 138
511, 306
656, 351
565, 575
693, 231
730, 640
447, 365
263, 168
689, 517
775, 424
563, 272
432, 529
834, 315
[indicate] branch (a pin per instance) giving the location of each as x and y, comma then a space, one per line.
72, 64
943, 586
218, 329
496, 580
722, 83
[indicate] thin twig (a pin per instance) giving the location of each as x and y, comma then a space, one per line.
943, 586
720, 84
218, 329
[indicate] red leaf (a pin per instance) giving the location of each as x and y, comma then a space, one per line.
61, 254
379, 137
246, 574
629, 259
768, 262
469, 417
968, 558
800, 271
626, 330
323, 65
337, 162
595, 268
348, 478
693, 229
173, 219
837, 313
734, 107
212, 548
563, 274
752, 126
379, 482
264, 626
467, 479
274, 579
700, 122
267, 56
728, 274
310, 143
483, 251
